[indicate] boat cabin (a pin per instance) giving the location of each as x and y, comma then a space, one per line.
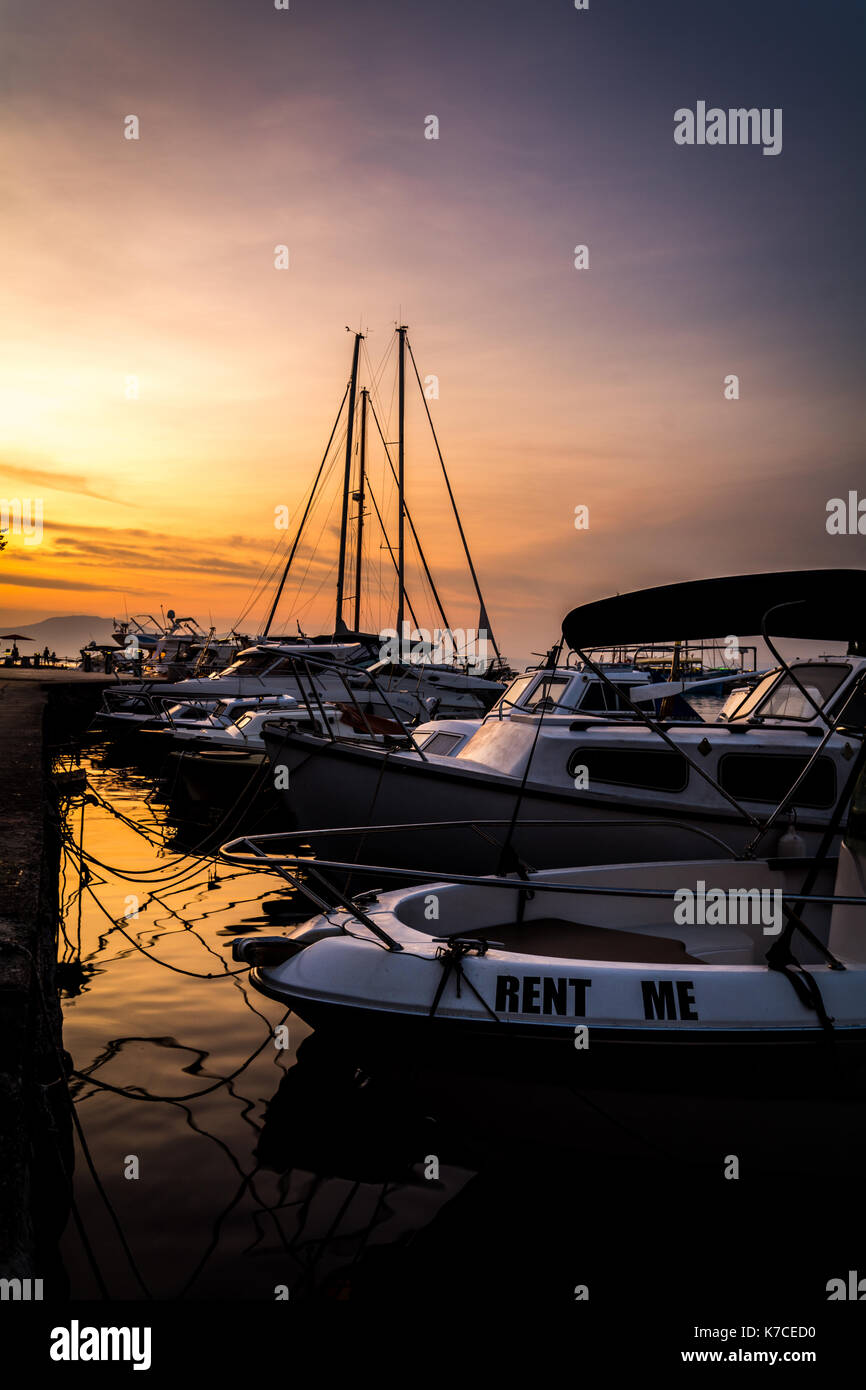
568, 689
809, 692
272, 659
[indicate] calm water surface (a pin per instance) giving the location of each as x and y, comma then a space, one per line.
263, 1167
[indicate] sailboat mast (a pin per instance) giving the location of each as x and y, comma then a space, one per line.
401, 482
362, 469
339, 625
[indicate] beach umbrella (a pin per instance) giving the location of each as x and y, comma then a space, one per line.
16, 637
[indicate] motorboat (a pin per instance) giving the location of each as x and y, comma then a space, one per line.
172, 646
214, 763
348, 676
168, 719
565, 773
703, 971
266, 668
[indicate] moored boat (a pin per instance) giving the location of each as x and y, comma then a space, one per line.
565, 772
715, 971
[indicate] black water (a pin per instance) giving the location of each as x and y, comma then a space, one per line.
228, 1167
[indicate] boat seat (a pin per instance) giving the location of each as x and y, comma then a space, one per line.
560, 937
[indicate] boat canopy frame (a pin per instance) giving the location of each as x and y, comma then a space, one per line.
833, 725
816, 605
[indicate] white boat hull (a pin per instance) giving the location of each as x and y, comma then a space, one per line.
648, 997
332, 785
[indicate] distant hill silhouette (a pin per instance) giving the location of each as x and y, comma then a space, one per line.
65, 636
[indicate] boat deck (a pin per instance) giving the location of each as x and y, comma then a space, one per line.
560, 938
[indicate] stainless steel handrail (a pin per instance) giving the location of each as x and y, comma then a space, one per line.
309, 835
514, 884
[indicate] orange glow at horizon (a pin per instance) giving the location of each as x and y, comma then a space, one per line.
154, 260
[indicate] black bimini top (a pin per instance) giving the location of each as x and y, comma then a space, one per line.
824, 605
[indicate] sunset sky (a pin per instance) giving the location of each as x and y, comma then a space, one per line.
602, 387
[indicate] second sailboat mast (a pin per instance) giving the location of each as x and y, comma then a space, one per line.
339, 625
359, 496
401, 482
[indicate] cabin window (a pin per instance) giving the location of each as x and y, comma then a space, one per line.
651, 769
786, 701
441, 744
770, 776
391, 670
547, 693
602, 699
512, 694
850, 710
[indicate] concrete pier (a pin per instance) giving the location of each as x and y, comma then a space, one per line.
36, 708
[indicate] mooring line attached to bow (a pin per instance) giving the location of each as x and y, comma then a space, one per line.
451, 954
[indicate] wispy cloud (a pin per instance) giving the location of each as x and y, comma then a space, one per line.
44, 581
52, 480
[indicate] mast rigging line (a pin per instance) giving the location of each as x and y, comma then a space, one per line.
376, 374
389, 547
267, 573
282, 545
412, 527
451, 497
403, 510
299, 607
306, 513
266, 576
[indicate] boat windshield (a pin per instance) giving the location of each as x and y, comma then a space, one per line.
512, 694
544, 693
601, 698
548, 694
254, 664
779, 697
392, 670
198, 710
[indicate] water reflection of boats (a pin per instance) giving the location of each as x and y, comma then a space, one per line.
548, 1187
543, 1184
354, 1165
